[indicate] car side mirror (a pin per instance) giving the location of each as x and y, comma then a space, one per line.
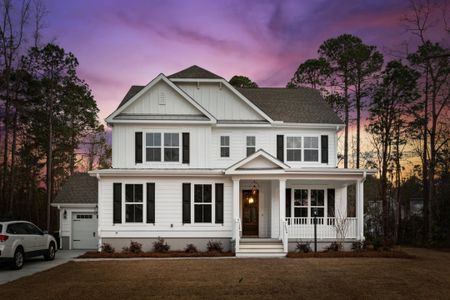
45, 232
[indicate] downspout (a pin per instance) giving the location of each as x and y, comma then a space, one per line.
99, 245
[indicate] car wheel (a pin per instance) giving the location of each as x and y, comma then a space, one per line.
51, 252
18, 259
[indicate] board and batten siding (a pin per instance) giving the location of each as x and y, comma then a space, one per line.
205, 145
220, 101
123, 145
162, 99
168, 210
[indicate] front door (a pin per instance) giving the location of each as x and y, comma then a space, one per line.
250, 212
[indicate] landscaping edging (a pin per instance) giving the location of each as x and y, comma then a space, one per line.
353, 254
170, 254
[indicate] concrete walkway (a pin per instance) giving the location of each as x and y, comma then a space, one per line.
35, 265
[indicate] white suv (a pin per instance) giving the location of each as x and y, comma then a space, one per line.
20, 239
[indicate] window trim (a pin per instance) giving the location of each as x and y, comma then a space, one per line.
302, 161
309, 207
286, 148
247, 146
203, 203
125, 203
213, 205
225, 146
162, 147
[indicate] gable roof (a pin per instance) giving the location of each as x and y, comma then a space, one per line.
79, 188
136, 91
195, 72
271, 163
299, 105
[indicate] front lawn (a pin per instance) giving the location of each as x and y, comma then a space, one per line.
427, 276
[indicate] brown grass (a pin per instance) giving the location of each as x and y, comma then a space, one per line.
95, 254
426, 277
342, 254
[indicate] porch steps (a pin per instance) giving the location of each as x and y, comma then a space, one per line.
254, 247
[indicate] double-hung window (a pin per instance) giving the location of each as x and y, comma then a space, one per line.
311, 148
171, 147
318, 203
134, 203
294, 148
153, 147
203, 203
251, 145
162, 147
300, 203
224, 146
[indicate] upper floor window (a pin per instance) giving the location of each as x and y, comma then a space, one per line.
133, 203
202, 203
153, 147
311, 145
162, 147
302, 148
171, 147
224, 146
294, 148
251, 145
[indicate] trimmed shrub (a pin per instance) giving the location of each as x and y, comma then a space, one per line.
107, 248
160, 246
135, 247
214, 246
303, 247
334, 246
190, 248
359, 246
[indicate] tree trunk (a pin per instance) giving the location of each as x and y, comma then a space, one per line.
11, 180
346, 104
425, 182
49, 164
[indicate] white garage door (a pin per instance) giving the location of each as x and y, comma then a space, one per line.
84, 231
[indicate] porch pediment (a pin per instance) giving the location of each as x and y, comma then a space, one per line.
260, 160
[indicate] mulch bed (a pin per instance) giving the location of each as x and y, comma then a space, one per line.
339, 254
94, 254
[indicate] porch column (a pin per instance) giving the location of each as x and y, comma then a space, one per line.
282, 192
236, 198
360, 209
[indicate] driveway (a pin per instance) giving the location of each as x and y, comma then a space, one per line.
35, 265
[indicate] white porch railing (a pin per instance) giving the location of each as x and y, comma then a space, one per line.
237, 233
327, 228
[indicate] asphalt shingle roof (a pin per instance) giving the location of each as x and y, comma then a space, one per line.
79, 188
299, 105
195, 72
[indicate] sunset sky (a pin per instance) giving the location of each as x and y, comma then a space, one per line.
120, 43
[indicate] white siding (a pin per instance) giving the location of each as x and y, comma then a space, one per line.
222, 103
168, 210
162, 99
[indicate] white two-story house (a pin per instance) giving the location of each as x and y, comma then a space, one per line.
195, 159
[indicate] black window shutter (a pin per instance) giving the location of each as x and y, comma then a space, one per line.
288, 203
138, 147
324, 146
219, 203
150, 202
280, 147
331, 203
117, 203
186, 203
185, 147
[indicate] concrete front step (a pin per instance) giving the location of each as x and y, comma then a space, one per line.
259, 241
260, 250
260, 254
277, 247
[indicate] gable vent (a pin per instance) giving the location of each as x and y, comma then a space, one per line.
162, 98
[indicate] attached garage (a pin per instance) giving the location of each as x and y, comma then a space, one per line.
78, 216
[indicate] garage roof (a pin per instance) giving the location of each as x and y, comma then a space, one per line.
79, 188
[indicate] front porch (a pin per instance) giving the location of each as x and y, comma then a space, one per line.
285, 210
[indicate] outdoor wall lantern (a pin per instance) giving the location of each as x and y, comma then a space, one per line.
251, 200
65, 214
